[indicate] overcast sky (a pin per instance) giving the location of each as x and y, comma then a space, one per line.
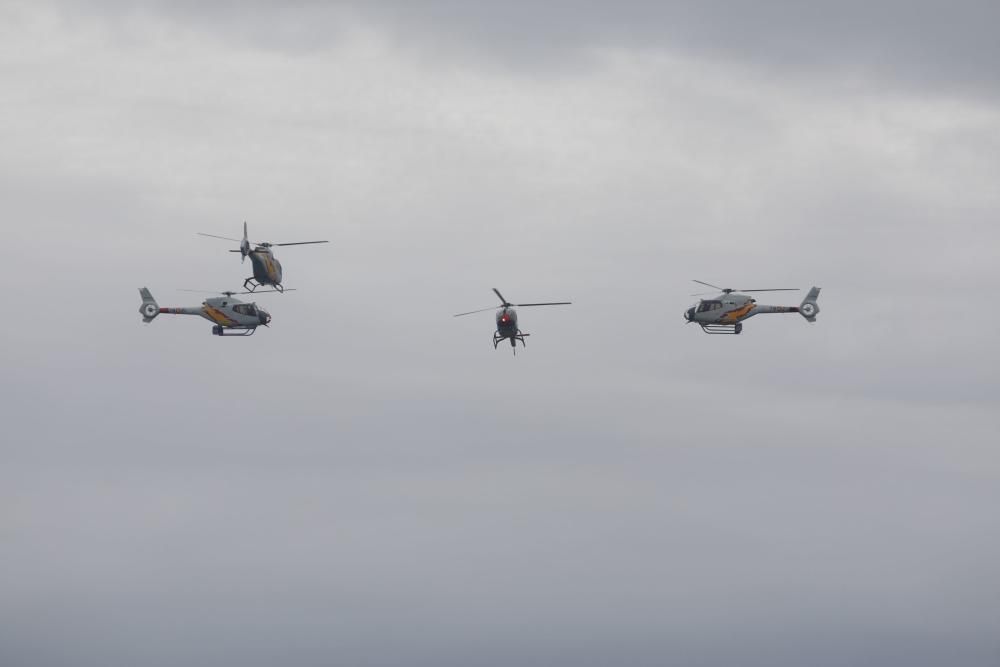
367, 482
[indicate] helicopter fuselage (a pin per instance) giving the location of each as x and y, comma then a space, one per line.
730, 309
507, 328
507, 323
266, 267
233, 314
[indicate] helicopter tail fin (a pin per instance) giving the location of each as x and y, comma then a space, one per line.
149, 308
809, 308
244, 244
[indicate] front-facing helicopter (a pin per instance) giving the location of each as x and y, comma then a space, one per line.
506, 319
725, 313
266, 267
230, 316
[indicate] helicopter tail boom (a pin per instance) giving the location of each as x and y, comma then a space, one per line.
149, 308
809, 308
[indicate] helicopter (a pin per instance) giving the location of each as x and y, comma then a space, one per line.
725, 313
266, 267
230, 316
507, 319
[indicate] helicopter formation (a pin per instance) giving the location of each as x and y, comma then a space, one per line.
722, 314
229, 315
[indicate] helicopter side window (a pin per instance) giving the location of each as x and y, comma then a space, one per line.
705, 306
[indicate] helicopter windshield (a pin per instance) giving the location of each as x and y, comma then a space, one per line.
705, 306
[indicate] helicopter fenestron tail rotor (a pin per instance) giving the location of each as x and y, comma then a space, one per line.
244, 249
244, 242
149, 308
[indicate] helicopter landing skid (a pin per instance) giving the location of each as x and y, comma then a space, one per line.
251, 284
221, 331
723, 329
518, 336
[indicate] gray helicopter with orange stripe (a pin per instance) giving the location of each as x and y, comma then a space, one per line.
230, 316
266, 267
725, 313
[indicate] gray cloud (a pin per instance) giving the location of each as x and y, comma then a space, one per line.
368, 482
913, 45
924, 42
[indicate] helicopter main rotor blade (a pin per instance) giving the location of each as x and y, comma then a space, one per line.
300, 243
500, 296
216, 236
547, 303
481, 310
728, 290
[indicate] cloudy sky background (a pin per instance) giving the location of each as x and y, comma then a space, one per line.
368, 482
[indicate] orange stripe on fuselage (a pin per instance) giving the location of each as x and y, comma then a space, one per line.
272, 275
738, 313
219, 317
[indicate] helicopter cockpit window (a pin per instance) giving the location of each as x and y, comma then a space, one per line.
245, 309
709, 305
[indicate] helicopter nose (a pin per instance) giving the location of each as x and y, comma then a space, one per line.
265, 318
689, 314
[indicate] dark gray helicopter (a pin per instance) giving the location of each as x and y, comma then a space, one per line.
507, 319
266, 267
725, 313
